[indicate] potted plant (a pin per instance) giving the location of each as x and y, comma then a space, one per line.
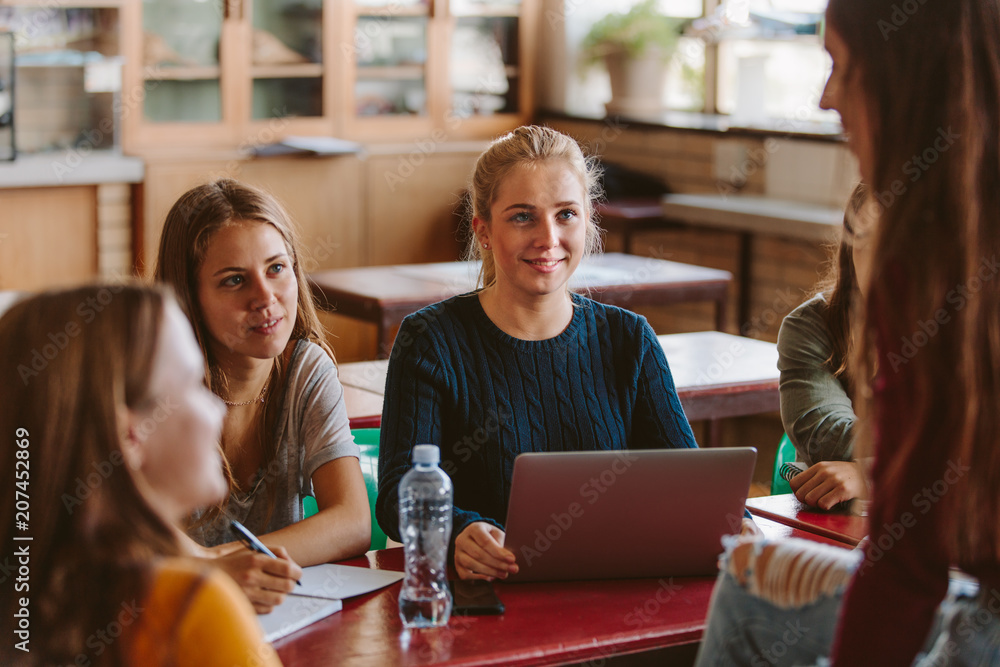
636, 48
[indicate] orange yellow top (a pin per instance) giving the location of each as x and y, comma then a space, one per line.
195, 615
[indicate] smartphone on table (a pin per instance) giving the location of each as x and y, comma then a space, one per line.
474, 597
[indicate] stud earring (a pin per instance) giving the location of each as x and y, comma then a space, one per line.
486, 246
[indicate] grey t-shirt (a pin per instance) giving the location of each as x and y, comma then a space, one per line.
815, 409
312, 429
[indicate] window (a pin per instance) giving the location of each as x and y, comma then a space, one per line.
757, 61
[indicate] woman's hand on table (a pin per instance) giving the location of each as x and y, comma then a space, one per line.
479, 553
827, 483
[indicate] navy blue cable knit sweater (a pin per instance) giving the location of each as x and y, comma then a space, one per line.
457, 381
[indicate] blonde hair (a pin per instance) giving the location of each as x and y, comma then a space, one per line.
189, 228
73, 361
528, 145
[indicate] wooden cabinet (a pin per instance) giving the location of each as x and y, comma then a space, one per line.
48, 237
412, 209
241, 73
441, 69
322, 195
227, 73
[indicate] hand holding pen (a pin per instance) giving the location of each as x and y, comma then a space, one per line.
265, 576
252, 543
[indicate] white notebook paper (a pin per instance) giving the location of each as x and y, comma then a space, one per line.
329, 583
294, 614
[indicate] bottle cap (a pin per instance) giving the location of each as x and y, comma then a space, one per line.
426, 454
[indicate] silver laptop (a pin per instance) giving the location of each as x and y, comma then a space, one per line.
627, 513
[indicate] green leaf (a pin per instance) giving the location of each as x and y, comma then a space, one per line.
641, 30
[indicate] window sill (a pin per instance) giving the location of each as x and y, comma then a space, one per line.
717, 124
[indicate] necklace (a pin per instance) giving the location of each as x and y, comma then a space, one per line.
263, 390
259, 399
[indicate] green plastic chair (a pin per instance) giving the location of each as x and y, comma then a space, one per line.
367, 441
786, 452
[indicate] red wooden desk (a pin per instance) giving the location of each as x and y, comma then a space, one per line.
717, 375
842, 526
384, 295
544, 623
720, 375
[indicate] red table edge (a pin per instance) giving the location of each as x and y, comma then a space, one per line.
609, 648
371, 421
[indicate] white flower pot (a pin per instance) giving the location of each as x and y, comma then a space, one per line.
637, 84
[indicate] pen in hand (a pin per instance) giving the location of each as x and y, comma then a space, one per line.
253, 544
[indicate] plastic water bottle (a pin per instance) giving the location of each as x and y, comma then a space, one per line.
425, 501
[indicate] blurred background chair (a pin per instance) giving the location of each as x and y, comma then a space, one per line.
367, 441
786, 452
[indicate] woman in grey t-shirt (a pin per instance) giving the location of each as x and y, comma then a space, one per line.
231, 253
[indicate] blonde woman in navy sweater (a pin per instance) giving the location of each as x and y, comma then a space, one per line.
522, 364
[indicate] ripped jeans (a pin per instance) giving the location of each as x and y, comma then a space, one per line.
747, 628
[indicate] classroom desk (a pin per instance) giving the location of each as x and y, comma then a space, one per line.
838, 525
544, 623
384, 295
717, 375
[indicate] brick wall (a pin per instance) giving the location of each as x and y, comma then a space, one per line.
114, 230
783, 271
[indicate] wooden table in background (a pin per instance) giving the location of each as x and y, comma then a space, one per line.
384, 295
628, 216
717, 375
544, 623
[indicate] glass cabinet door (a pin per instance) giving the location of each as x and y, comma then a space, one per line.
287, 59
390, 49
484, 63
181, 69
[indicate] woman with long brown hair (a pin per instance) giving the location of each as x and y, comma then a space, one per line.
110, 440
917, 86
232, 254
814, 347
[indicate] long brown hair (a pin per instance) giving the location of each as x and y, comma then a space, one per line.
527, 145
72, 362
840, 288
932, 88
189, 228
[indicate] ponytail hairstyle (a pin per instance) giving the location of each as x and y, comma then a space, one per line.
527, 145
